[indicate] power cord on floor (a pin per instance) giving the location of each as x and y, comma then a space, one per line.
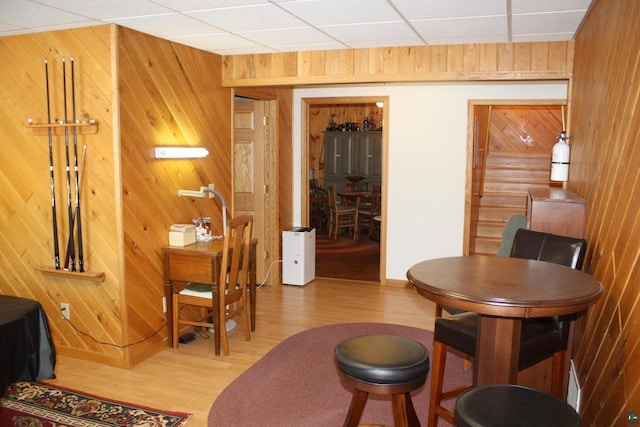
264, 282
202, 335
108, 343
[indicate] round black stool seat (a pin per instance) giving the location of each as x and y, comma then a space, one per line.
511, 405
382, 359
385, 365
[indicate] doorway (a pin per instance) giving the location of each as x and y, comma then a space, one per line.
509, 148
319, 114
254, 139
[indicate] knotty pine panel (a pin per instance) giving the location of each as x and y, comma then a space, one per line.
605, 169
499, 61
524, 129
26, 220
169, 95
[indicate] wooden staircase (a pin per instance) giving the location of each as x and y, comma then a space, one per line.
507, 179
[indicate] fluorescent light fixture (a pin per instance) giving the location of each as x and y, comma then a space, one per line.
180, 152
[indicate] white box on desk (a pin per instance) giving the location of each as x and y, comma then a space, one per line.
182, 238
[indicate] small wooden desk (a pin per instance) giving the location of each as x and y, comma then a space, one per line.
503, 291
200, 263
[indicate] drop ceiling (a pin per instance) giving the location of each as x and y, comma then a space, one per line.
233, 27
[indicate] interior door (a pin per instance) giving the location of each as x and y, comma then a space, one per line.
249, 170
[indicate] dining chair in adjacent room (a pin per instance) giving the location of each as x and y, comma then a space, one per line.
342, 216
233, 282
373, 209
541, 338
319, 208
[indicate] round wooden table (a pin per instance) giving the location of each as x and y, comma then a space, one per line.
503, 291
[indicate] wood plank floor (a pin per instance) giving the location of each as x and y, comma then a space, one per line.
189, 378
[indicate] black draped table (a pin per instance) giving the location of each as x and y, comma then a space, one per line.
26, 349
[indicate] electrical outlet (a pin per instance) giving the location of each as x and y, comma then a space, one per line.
65, 310
164, 304
212, 187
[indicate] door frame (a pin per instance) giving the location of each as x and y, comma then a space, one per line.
305, 165
271, 210
471, 151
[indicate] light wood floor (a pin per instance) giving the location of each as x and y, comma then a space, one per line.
189, 379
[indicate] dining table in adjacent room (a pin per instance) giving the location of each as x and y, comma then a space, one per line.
503, 291
355, 197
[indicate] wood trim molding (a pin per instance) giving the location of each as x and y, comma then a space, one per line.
469, 62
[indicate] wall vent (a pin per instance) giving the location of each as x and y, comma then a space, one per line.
573, 394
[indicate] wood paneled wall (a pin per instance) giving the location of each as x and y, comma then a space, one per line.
25, 212
490, 61
605, 169
143, 92
169, 95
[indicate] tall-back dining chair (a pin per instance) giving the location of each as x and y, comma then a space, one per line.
541, 338
233, 283
342, 216
373, 209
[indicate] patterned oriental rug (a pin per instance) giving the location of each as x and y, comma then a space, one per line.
297, 383
42, 405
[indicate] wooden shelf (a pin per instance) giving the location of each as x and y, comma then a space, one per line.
58, 128
94, 276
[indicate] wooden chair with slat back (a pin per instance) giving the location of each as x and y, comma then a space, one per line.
234, 280
369, 212
341, 216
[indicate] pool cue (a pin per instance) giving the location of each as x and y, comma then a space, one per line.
71, 250
81, 171
78, 219
54, 217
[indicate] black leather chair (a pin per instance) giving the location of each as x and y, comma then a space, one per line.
541, 338
512, 405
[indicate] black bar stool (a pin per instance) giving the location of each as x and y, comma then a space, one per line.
499, 405
385, 365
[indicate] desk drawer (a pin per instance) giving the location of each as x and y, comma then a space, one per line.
191, 268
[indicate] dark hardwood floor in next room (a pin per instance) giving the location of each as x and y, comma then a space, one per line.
345, 258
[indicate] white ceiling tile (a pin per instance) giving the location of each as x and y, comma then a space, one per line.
288, 36
382, 43
108, 9
462, 28
378, 31
248, 18
528, 6
336, 12
543, 37
191, 5
309, 46
436, 9
542, 23
285, 25
212, 41
29, 14
169, 25
6, 27
466, 39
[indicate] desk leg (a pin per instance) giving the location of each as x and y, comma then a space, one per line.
168, 295
497, 350
252, 298
218, 319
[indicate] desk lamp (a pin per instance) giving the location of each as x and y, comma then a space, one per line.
201, 194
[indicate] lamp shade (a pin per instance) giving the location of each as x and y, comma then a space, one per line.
560, 159
180, 152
